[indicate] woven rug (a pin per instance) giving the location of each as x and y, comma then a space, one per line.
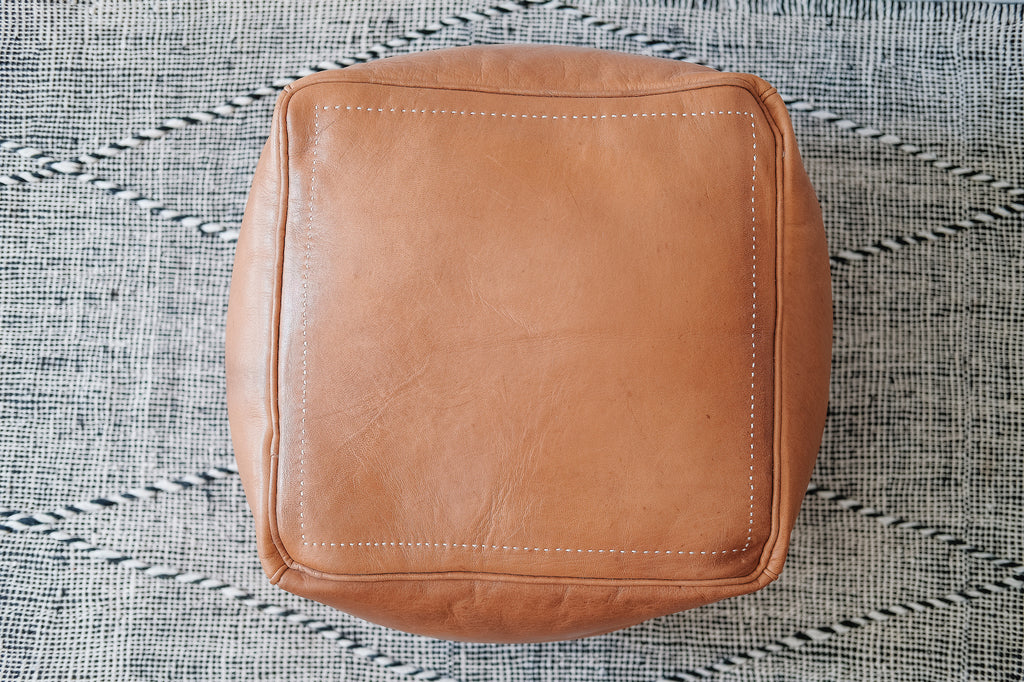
130, 131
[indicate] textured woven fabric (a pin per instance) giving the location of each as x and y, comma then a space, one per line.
123, 173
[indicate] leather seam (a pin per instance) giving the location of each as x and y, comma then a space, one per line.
340, 78
271, 457
636, 115
522, 578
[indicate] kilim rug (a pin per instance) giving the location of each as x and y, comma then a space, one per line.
130, 131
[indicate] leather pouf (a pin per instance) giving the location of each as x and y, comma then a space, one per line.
527, 342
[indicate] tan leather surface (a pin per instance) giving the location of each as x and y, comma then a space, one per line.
250, 349
804, 337
521, 326
489, 611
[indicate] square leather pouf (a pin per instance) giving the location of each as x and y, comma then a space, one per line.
527, 342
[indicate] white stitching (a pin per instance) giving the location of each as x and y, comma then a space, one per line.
305, 344
753, 317
467, 545
551, 117
753, 321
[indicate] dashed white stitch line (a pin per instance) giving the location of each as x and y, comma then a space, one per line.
753, 345
470, 545
753, 318
553, 117
305, 343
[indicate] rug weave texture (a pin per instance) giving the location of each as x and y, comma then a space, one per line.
129, 132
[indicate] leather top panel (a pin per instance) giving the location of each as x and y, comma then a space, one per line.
527, 334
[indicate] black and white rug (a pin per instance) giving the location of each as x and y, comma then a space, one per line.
128, 136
